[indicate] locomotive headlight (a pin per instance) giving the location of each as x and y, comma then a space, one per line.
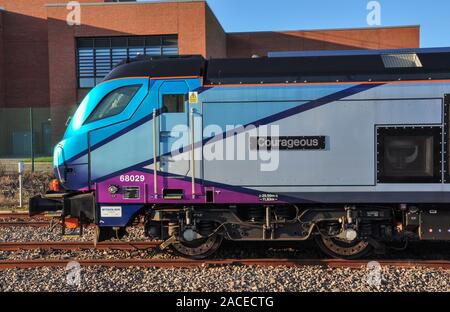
113, 189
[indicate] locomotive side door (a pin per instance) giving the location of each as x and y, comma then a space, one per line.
174, 134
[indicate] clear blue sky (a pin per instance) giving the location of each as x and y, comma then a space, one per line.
258, 15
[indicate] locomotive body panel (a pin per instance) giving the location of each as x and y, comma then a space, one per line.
347, 163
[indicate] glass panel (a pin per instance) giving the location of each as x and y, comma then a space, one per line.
86, 62
133, 52
102, 42
102, 62
114, 103
85, 43
170, 51
118, 55
170, 45
153, 41
136, 41
119, 42
108, 52
409, 155
173, 103
153, 51
87, 82
170, 41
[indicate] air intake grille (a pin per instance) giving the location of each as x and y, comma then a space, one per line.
402, 60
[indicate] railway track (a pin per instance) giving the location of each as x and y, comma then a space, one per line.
13, 246
23, 219
187, 263
179, 263
25, 223
18, 215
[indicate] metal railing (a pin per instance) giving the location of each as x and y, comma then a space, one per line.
25, 135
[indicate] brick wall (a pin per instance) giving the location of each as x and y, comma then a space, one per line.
185, 19
25, 53
216, 38
260, 43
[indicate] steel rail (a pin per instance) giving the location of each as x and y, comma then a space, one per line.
41, 223
25, 215
14, 215
25, 223
187, 263
62, 245
23, 219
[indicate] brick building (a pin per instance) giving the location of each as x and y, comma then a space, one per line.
49, 65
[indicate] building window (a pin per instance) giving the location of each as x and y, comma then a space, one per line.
96, 57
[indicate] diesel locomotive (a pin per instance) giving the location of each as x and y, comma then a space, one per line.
350, 149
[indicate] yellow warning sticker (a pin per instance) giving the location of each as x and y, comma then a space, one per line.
193, 97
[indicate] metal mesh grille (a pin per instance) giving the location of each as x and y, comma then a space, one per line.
403, 60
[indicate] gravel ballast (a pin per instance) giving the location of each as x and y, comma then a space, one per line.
228, 278
37, 234
224, 278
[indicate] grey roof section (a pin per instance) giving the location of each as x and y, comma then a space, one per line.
123, 3
355, 52
434, 65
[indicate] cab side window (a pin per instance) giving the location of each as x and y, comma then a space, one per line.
173, 103
114, 103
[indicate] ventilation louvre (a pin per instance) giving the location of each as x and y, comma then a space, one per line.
401, 60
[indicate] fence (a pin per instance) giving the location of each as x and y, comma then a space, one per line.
28, 135
25, 135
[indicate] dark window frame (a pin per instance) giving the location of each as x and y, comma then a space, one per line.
88, 119
434, 131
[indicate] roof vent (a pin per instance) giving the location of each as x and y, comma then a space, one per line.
401, 60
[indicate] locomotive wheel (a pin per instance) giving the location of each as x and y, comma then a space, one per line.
199, 249
341, 249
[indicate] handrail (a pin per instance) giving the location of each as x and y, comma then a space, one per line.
155, 161
59, 147
89, 161
193, 153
